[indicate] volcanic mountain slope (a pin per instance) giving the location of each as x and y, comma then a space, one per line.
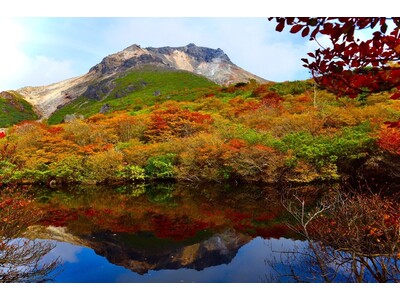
99, 82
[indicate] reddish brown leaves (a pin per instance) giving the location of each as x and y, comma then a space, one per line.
280, 26
296, 28
351, 66
389, 137
395, 96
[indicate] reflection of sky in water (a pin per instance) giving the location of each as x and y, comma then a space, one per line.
82, 264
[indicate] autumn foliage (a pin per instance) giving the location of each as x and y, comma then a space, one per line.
175, 122
389, 137
269, 133
349, 65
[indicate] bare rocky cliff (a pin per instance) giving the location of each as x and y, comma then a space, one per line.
214, 64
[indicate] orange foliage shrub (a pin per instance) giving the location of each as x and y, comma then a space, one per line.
252, 163
389, 137
238, 106
304, 98
208, 157
175, 122
201, 158
48, 148
289, 123
354, 115
104, 165
260, 90
27, 133
138, 155
271, 99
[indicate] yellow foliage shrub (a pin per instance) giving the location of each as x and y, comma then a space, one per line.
103, 166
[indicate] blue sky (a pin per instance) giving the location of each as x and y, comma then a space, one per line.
41, 51
46, 41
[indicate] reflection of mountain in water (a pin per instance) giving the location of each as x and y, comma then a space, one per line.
143, 251
166, 226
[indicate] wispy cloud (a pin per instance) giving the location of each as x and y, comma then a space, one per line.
19, 68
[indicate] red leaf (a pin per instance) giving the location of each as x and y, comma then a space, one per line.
289, 21
305, 32
296, 28
384, 28
280, 26
395, 96
327, 28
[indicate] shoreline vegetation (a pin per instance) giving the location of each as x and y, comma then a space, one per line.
255, 133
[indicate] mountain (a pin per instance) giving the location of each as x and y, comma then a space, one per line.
101, 80
211, 63
143, 252
14, 109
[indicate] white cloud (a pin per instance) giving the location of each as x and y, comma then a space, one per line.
69, 253
18, 69
42, 70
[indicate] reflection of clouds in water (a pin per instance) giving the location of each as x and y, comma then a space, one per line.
67, 252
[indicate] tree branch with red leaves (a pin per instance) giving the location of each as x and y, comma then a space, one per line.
351, 66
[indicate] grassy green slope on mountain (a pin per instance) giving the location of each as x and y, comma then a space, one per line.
140, 89
14, 109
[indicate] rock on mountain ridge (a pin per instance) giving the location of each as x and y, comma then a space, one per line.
214, 64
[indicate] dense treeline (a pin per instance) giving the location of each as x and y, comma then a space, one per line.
247, 132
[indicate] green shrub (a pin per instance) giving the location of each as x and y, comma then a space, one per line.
291, 87
7, 171
41, 174
160, 166
132, 173
351, 143
70, 169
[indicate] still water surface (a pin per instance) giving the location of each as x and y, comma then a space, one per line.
175, 233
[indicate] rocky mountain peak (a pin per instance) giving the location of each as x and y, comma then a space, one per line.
133, 47
197, 53
130, 57
213, 64
187, 58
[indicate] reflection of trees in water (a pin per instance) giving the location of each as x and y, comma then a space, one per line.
21, 260
348, 237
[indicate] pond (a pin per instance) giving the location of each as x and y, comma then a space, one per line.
179, 233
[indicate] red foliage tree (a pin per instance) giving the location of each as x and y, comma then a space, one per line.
389, 137
351, 66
